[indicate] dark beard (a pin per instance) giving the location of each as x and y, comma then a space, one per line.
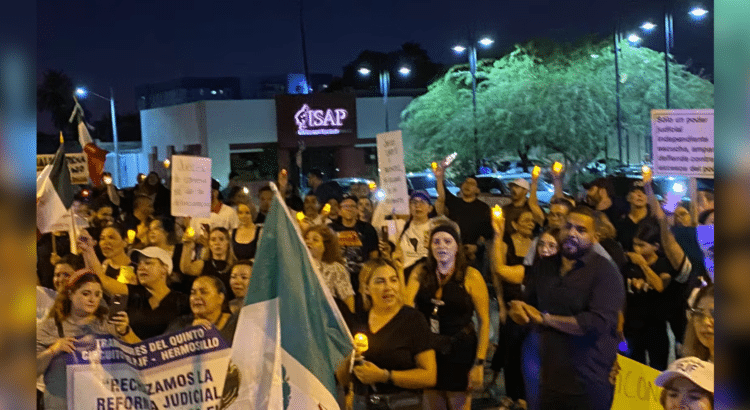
571, 248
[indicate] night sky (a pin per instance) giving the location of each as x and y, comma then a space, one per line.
124, 44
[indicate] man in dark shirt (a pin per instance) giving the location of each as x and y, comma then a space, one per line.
265, 197
358, 240
323, 190
600, 195
575, 301
471, 214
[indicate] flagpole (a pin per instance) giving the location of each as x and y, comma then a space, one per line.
73, 230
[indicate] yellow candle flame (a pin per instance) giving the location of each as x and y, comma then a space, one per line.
360, 342
645, 169
167, 162
434, 165
497, 212
557, 167
536, 171
190, 231
300, 216
327, 208
107, 179
131, 236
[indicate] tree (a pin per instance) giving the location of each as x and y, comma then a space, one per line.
55, 95
556, 100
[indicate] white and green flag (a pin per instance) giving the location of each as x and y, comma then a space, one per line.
290, 336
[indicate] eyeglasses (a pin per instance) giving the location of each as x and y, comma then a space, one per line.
702, 313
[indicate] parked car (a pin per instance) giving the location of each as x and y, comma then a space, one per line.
497, 185
346, 186
425, 181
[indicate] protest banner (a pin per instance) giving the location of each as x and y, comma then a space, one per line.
77, 164
635, 388
392, 171
181, 370
683, 142
191, 186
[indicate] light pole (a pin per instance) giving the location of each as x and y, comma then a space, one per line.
82, 92
459, 49
385, 85
617, 38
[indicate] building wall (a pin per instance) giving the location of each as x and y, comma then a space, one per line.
217, 124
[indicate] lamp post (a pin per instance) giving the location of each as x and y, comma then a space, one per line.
459, 49
385, 85
82, 92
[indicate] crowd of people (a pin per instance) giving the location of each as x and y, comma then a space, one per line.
573, 284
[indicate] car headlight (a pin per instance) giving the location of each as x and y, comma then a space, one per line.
678, 187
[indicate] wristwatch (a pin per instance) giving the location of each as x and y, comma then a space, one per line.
479, 362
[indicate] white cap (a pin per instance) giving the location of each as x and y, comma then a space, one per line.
692, 368
521, 182
157, 253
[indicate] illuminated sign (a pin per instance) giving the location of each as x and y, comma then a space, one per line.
319, 122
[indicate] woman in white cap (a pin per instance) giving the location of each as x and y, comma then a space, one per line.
688, 385
151, 305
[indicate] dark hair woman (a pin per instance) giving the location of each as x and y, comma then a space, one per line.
448, 292
208, 307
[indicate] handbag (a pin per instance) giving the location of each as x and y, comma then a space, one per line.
407, 400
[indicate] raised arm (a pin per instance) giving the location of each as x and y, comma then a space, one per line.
187, 265
110, 285
672, 250
557, 181
440, 201
536, 210
511, 274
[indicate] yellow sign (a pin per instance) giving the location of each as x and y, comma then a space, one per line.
635, 388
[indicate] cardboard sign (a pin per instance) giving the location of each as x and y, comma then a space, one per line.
392, 171
183, 370
77, 164
635, 388
191, 186
683, 142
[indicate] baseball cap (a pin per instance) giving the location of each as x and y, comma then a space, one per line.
155, 252
423, 195
520, 182
696, 370
637, 184
215, 184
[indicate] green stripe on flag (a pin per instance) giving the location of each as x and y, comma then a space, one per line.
60, 177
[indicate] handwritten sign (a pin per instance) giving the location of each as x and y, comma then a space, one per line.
635, 388
77, 164
683, 142
392, 171
183, 370
191, 186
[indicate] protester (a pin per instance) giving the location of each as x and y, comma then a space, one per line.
222, 216
639, 214
208, 307
77, 313
324, 248
519, 189
245, 237
239, 281
64, 269
151, 304
322, 190
575, 300
688, 385
265, 197
216, 259
682, 216
471, 214
413, 237
648, 275
699, 336
365, 208
358, 240
508, 256
138, 220
600, 195
161, 233
606, 235
399, 360
113, 244
448, 291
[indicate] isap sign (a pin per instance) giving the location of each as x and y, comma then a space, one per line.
319, 119
319, 122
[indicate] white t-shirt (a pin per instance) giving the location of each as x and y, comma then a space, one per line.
226, 218
414, 241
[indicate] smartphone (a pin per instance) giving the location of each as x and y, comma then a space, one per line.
119, 304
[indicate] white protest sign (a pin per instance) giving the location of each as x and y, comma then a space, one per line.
191, 186
683, 142
182, 370
392, 171
77, 164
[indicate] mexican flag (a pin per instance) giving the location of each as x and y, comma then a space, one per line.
54, 193
290, 336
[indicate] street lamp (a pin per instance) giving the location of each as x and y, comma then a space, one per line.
82, 92
697, 13
459, 49
385, 85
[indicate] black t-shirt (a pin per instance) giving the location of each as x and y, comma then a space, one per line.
147, 322
185, 321
356, 243
626, 229
472, 217
394, 346
650, 306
